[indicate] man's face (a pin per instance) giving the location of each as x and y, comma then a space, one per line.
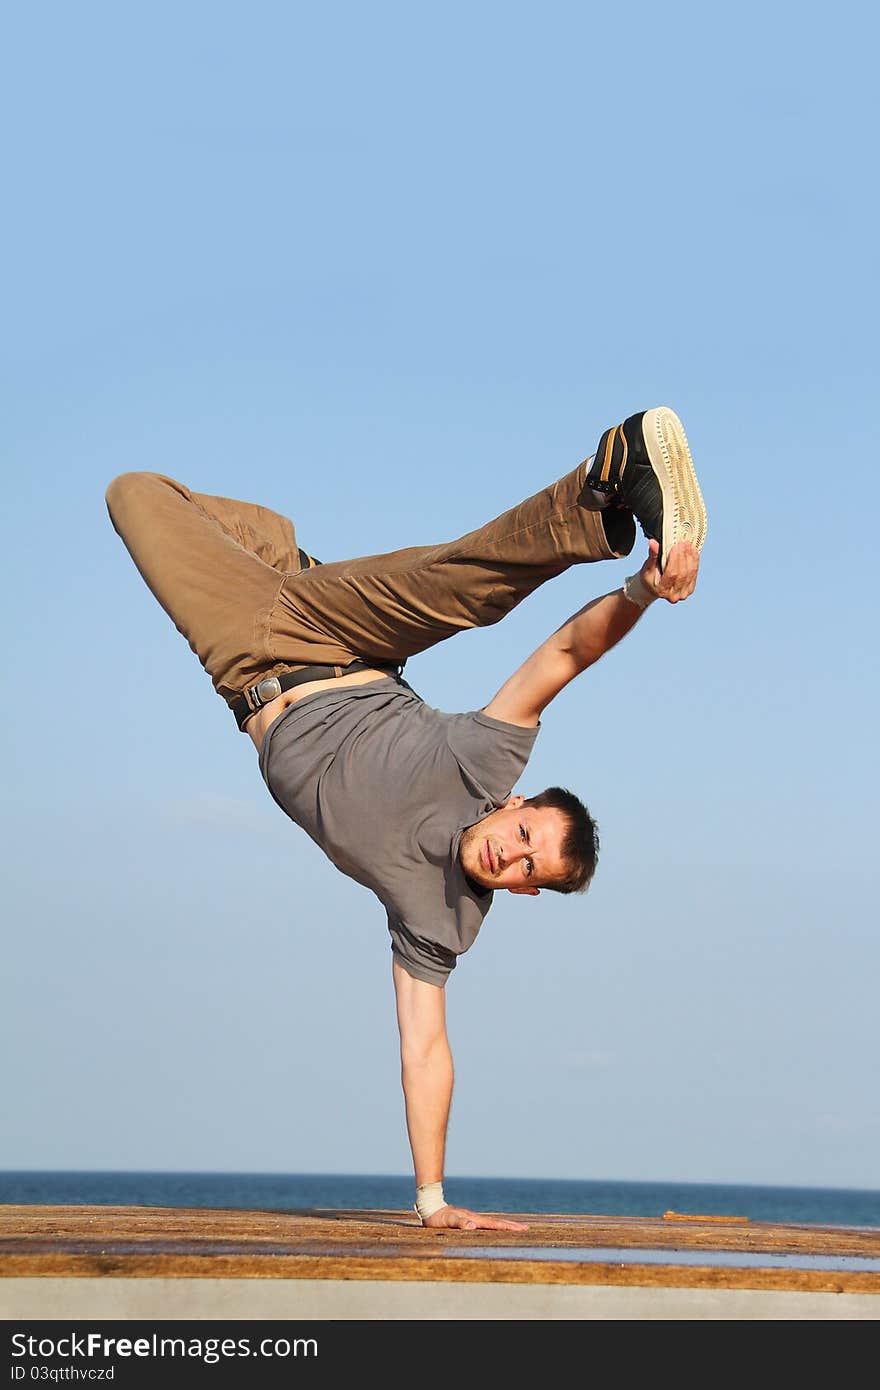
516, 847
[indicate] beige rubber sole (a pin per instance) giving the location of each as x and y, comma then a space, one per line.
684, 512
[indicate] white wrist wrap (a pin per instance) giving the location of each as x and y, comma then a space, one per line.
636, 590
429, 1198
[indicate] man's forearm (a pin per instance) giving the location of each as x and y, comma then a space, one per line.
427, 1087
596, 628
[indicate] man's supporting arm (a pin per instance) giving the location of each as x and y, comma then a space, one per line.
427, 1075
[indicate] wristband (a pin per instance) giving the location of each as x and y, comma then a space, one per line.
636, 590
429, 1198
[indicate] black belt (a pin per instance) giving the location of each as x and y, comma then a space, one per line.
256, 696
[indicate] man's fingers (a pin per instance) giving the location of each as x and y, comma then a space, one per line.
679, 578
493, 1223
485, 1223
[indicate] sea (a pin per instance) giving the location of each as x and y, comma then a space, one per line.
316, 1192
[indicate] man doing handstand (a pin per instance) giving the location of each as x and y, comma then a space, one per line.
418, 805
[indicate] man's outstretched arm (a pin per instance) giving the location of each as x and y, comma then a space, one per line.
427, 1075
587, 636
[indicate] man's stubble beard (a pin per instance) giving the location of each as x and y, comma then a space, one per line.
468, 856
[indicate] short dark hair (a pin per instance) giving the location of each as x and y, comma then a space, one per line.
580, 847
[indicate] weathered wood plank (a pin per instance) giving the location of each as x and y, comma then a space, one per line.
150, 1242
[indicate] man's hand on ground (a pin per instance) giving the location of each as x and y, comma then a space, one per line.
458, 1218
679, 578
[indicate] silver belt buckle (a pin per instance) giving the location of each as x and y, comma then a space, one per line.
269, 688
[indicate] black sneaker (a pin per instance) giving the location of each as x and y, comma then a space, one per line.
645, 465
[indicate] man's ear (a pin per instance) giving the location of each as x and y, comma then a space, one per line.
513, 803
530, 892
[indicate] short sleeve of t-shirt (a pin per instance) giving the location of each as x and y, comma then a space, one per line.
491, 753
426, 960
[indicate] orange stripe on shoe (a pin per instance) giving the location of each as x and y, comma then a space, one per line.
609, 449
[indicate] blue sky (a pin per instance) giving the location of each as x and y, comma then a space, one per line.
390, 269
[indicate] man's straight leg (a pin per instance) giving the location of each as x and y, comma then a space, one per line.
389, 607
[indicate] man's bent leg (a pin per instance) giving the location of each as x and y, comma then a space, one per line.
389, 607
215, 565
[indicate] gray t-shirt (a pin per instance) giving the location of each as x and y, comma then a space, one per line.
386, 785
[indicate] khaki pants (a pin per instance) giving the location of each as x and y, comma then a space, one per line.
229, 576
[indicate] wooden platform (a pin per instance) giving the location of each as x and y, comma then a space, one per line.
145, 1242
678, 1252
